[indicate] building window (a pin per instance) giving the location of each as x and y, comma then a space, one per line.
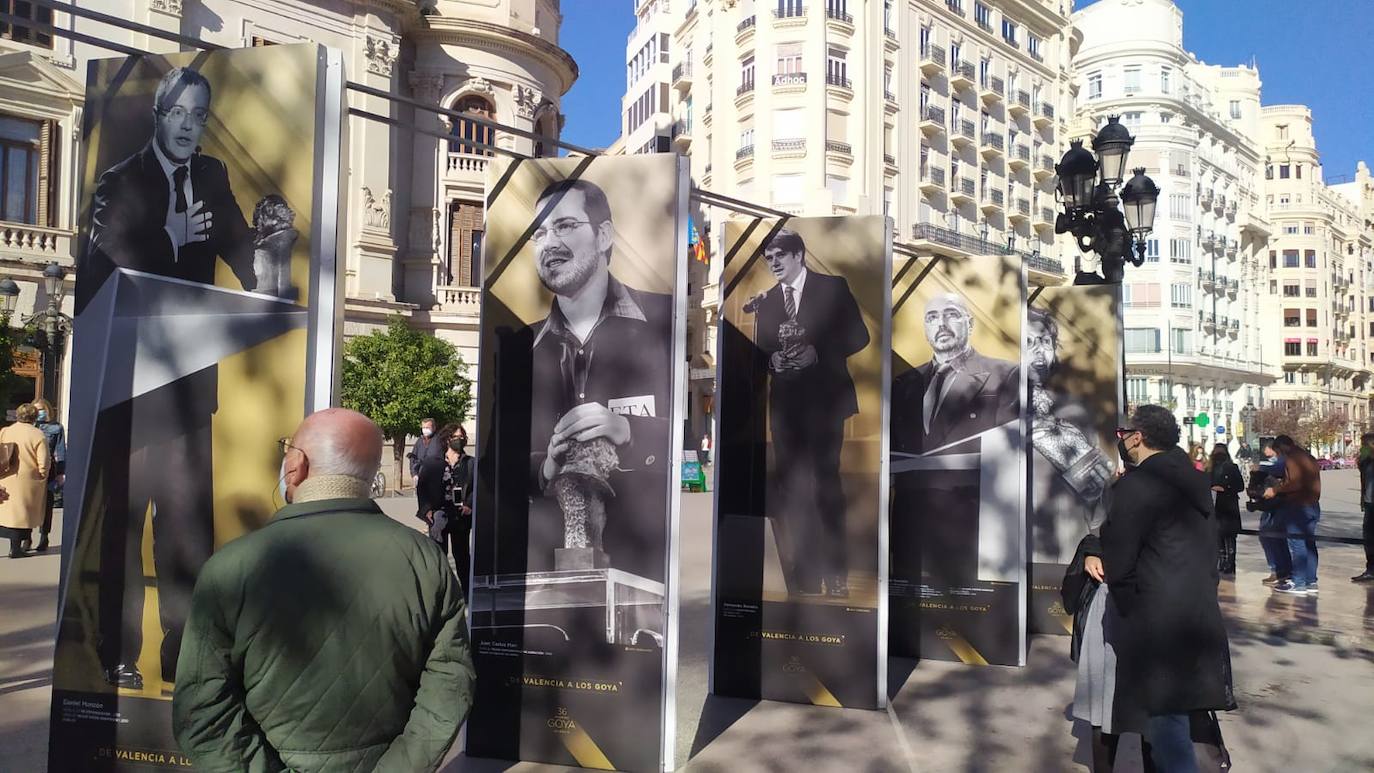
1291, 348
1290, 258
1235, 109
1284, 170
983, 15
547, 131
1166, 75
836, 67
1094, 85
1141, 295
1138, 389
1132, 120
1292, 318
465, 244
1290, 229
1181, 207
789, 8
1180, 251
789, 58
473, 131
1310, 258
1311, 348
1132, 79
1142, 340
1291, 290
22, 33
887, 15
1180, 295
1033, 45
1307, 227
1310, 289
1182, 343
24, 148
746, 73
1009, 31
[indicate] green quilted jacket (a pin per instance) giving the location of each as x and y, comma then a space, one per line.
332, 639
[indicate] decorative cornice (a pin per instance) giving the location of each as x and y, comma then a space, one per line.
499, 38
381, 55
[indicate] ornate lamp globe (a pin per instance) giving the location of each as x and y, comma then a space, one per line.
1077, 172
1113, 144
1138, 200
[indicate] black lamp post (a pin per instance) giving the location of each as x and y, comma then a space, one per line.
1087, 189
51, 322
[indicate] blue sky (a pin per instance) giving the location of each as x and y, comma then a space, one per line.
1315, 53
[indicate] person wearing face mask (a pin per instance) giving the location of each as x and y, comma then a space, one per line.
445, 494
426, 447
57, 471
332, 638
1159, 561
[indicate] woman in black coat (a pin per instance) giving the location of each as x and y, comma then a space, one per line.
1159, 557
1228, 484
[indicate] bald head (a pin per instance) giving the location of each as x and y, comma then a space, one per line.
334, 441
948, 324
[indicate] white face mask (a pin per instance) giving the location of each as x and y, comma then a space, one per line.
427, 432
281, 483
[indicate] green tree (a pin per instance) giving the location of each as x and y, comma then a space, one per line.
10, 339
400, 376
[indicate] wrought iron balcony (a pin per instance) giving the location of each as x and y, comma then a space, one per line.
932, 57
962, 74
836, 79
744, 152
834, 146
933, 116
789, 147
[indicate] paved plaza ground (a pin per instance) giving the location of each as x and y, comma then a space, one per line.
1304, 673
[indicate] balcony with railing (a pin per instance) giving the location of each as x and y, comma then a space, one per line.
1019, 156
745, 29
682, 134
962, 74
1232, 287
789, 14
992, 144
839, 81
1207, 319
744, 155
1022, 210
1219, 205
965, 243
1040, 263
1206, 278
682, 76
789, 80
962, 189
966, 132
466, 165
1204, 197
1022, 103
991, 89
1044, 166
842, 148
837, 14
1047, 216
454, 299
992, 199
790, 148
932, 178
1232, 248
932, 119
932, 58
1045, 113
744, 89
39, 243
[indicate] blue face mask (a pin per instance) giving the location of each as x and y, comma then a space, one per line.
42, 415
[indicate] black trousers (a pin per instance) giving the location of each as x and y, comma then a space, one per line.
1368, 537
17, 537
810, 517
171, 471
457, 542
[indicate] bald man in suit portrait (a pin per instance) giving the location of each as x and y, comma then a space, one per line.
956, 394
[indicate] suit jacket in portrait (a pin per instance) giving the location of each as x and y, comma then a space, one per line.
830, 316
128, 230
984, 393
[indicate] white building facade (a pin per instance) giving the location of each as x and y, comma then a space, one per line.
1193, 311
415, 202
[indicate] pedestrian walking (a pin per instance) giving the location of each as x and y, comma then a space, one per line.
426, 447
333, 638
445, 494
1298, 513
706, 449
1268, 474
1227, 484
1365, 461
1199, 457
56, 436
24, 451
1159, 559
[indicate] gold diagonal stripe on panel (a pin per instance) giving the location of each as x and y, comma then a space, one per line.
960, 647
817, 692
585, 750
1066, 621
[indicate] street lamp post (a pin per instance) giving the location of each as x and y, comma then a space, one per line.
1093, 213
50, 322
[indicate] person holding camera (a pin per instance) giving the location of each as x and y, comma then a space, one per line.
444, 490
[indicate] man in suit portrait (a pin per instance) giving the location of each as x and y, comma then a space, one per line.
167, 210
809, 326
600, 376
956, 394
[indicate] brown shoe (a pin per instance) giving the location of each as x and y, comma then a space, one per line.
1272, 579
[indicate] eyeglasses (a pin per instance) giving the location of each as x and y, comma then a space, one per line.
284, 444
560, 229
178, 114
1122, 432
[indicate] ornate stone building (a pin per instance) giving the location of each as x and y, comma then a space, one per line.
415, 201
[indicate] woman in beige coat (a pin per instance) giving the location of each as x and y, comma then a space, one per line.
22, 512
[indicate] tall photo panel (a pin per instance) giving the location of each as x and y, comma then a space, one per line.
206, 328
1072, 363
958, 585
580, 406
800, 570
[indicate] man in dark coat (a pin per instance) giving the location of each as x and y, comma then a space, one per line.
1366, 465
1159, 555
598, 367
809, 326
166, 210
958, 392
